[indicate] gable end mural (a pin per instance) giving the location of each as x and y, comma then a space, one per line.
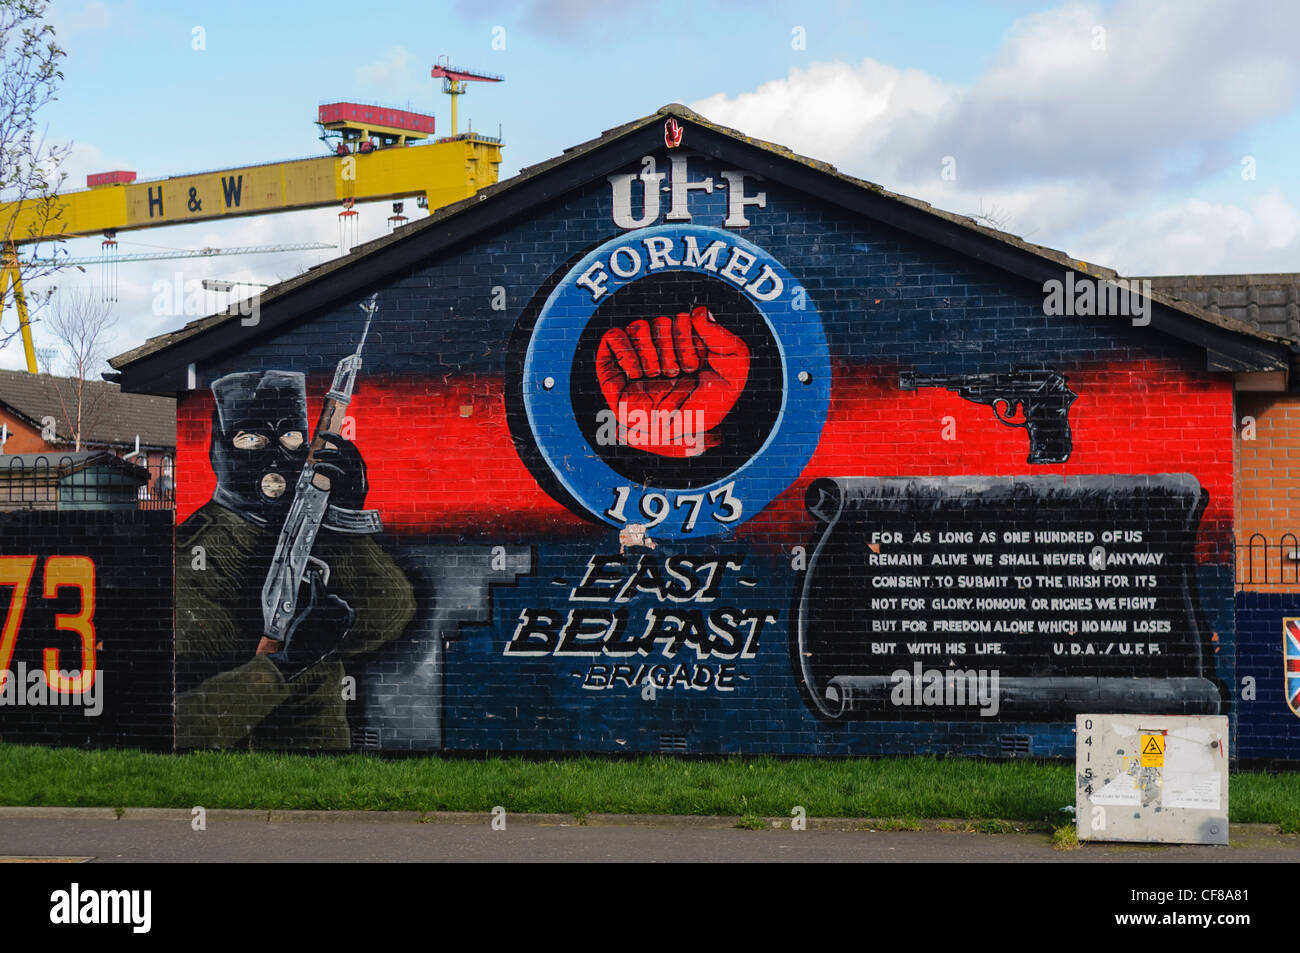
689, 458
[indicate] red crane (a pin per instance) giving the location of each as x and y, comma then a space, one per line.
453, 83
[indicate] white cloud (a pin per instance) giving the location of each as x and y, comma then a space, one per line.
1081, 115
1177, 81
84, 159
395, 76
1199, 237
1185, 78
850, 116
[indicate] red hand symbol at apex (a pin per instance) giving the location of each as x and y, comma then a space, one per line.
672, 380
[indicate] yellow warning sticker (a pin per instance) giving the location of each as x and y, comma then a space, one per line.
1153, 751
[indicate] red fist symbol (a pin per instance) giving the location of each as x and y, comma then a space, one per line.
671, 381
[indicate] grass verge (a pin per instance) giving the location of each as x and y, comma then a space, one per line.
903, 788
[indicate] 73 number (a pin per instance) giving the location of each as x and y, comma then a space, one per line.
60, 571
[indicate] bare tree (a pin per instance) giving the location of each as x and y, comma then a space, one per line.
30, 175
45, 358
81, 322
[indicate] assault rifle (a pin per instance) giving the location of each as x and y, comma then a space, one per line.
293, 564
1041, 394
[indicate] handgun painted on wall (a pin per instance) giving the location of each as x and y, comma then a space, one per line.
1040, 394
293, 564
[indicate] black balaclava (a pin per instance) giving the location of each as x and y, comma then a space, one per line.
259, 442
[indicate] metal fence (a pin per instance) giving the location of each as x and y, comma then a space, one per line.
1261, 562
160, 492
86, 481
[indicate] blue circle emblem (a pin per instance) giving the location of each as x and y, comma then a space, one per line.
666, 508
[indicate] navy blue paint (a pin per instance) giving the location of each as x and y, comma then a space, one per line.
1266, 727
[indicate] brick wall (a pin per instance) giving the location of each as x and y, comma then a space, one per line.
96, 588
23, 437
512, 601
1268, 491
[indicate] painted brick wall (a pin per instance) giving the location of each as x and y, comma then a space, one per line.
487, 539
96, 588
1268, 724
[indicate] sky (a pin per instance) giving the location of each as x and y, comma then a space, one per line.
1152, 136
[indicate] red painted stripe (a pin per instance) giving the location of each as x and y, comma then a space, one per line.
433, 470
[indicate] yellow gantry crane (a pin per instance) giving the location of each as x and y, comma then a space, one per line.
380, 154
9, 271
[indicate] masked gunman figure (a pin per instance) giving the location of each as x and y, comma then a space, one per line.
236, 688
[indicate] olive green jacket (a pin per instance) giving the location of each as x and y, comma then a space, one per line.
227, 695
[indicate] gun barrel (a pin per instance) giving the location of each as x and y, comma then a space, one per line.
307, 511
910, 380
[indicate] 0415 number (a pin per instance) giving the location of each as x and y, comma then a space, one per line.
656, 507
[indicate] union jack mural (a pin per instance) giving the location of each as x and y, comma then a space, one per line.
1291, 662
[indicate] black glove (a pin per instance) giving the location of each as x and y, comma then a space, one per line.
317, 631
340, 462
